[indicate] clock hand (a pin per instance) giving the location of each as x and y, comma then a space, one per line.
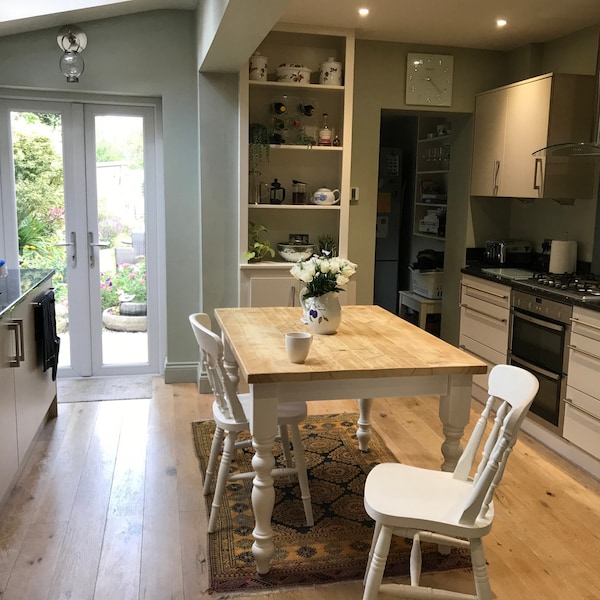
433, 83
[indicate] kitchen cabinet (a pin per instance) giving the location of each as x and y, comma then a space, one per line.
433, 167
273, 285
484, 325
296, 159
514, 121
28, 394
582, 403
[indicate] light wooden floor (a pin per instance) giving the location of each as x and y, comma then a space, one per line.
109, 507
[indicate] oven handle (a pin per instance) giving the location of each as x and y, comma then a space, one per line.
536, 369
576, 349
480, 312
585, 412
584, 323
540, 322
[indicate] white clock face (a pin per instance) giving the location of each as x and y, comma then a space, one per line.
429, 79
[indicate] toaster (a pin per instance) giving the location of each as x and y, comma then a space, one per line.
508, 252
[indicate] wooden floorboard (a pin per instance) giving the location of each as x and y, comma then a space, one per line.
109, 506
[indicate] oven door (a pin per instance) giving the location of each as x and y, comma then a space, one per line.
538, 345
547, 405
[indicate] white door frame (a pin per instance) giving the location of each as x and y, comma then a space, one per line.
75, 144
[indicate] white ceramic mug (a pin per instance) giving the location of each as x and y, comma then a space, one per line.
297, 345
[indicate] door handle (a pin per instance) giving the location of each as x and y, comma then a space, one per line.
496, 172
72, 244
17, 327
537, 168
92, 245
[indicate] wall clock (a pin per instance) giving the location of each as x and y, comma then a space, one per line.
429, 79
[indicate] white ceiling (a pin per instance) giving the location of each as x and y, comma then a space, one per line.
459, 23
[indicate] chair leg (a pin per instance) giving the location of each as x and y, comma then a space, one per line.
377, 564
373, 544
215, 450
222, 477
302, 474
480, 574
285, 445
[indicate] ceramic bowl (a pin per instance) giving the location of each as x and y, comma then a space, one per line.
295, 252
289, 73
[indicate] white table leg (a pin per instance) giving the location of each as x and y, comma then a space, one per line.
263, 425
455, 410
363, 433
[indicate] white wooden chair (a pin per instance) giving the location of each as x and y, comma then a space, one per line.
449, 509
230, 411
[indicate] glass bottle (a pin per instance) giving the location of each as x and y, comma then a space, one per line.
325, 132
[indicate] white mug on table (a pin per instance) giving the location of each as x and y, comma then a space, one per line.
297, 345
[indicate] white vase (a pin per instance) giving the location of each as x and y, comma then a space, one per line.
324, 313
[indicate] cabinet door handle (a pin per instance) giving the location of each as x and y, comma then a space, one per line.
584, 352
16, 360
583, 410
496, 173
584, 323
489, 293
463, 347
480, 312
537, 168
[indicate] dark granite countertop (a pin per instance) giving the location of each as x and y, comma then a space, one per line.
519, 284
18, 284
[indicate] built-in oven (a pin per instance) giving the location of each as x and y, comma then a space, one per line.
539, 337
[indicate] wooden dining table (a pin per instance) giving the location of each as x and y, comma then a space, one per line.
374, 354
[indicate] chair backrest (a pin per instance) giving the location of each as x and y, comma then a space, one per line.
211, 348
513, 390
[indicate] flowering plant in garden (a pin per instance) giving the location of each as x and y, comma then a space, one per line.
128, 280
323, 273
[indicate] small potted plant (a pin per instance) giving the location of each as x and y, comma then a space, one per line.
257, 248
259, 148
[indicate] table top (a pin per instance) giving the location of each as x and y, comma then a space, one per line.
370, 342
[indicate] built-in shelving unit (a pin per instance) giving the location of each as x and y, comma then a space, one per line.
317, 166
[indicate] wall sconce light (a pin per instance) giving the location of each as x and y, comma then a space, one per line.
72, 42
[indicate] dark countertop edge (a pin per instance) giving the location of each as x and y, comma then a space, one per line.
43, 278
516, 284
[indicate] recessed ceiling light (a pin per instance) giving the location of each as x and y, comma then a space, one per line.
363, 12
501, 22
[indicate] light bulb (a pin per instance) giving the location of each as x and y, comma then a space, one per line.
71, 66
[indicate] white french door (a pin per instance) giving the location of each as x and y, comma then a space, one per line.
82, 200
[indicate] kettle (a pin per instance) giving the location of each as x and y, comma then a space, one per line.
276, 193
325, 197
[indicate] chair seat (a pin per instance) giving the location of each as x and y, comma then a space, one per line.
403, 496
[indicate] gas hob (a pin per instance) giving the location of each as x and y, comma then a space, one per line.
568, 286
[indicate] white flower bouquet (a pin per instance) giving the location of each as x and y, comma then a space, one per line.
323, 274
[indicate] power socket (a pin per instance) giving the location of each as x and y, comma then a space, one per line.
354, 195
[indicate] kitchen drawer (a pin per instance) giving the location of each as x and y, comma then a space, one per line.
476, 291
580, 427
488, 355
586, 323
584, 365
487, 325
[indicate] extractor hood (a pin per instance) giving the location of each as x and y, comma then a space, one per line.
579, 148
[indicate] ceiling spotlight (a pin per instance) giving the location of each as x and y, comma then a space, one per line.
363, 12
500, 22
72, 41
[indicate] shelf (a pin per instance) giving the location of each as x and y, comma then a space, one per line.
431, 236
432, 205
294, 86
284, 147
435, 138
293, 207
433, 172
267, 264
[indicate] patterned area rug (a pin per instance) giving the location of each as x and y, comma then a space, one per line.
337, 546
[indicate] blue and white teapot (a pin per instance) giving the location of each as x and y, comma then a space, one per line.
325, 197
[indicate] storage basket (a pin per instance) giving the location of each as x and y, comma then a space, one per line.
427, 283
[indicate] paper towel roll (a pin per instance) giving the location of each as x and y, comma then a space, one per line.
563, 257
